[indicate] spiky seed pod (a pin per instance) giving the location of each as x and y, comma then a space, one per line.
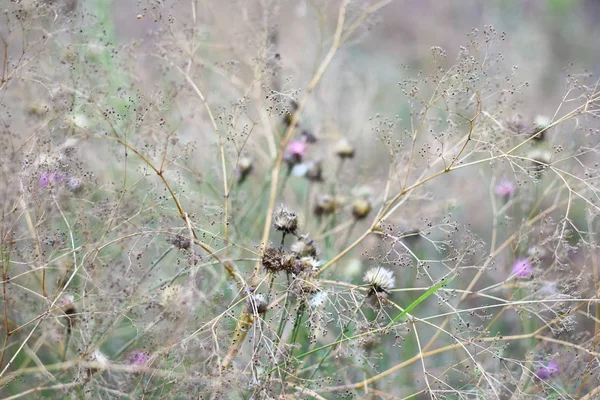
272, 260
257, 303
285, 221
179, 241
244, 168
304, 247
380, 281
344, 149
361, 207
314, 171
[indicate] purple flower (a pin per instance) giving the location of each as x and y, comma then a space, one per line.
295, 151
504, 188
546, 371
137, 357
49, 178
522, 268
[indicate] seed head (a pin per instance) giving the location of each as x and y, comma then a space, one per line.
285, 221
257, 303
380, 280
344, 149
272, 260
541, 160
244, 168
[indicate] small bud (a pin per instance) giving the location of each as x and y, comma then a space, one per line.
361, 207
344, 149
285, 221
314, 171
326, 205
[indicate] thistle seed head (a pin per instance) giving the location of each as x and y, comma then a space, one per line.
380, 280
285, 221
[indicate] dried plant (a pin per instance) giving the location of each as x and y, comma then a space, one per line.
441, 233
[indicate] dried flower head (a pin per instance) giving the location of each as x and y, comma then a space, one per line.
547, 371
326, 205
304, 247
380, 280
272, 260
257, 303
179, 241
522, 268
504, 188
541, 159
344, 149
361, 207
540, 123
314, 171
285, 221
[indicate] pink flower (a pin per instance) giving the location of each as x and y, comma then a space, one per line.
49, 178
137, 357
295, 151
522, 268
546, 371
504, 188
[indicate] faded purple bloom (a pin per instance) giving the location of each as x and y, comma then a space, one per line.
295, 151
504, 188
546, 371
522, 268
74, 184
49, 178
137, 357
